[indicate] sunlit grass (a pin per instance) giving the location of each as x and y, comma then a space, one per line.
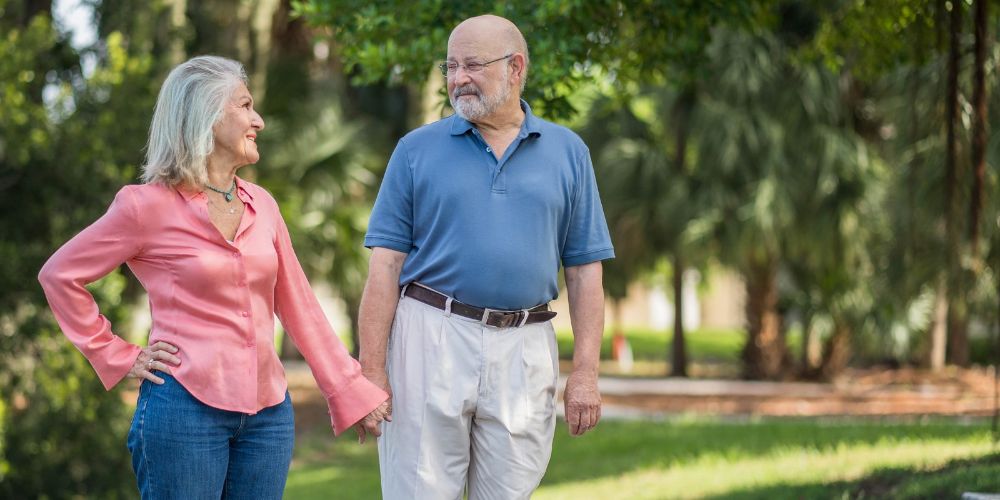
703, 457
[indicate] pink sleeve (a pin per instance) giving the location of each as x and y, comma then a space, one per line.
349, 395
89, 256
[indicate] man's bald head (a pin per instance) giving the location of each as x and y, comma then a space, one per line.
491, 34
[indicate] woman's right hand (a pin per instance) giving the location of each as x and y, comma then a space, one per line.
159, 356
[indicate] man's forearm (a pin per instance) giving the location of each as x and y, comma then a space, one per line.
585, 288
378, 307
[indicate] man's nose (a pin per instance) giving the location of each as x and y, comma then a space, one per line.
461, 76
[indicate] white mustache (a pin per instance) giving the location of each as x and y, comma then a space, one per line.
466, 90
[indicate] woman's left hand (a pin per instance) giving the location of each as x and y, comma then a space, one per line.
369, 424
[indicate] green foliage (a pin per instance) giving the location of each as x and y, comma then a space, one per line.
704, 345
400, 41
61, 160
873, 37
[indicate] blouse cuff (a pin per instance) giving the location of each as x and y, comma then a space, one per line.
119, 357
353, 402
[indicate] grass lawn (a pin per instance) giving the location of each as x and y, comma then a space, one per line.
713, 458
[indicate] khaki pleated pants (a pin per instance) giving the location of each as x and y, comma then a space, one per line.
473, 407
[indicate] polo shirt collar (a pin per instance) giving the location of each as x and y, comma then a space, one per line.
531, 125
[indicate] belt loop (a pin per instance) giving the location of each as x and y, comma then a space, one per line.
403, 291
447, 307
486, 316
523, 319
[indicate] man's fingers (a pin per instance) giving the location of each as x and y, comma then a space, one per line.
572, 415
361, 434
585, 423
573, 420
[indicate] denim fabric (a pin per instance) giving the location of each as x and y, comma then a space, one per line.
184, 449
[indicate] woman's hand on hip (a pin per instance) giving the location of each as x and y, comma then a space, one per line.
159, 356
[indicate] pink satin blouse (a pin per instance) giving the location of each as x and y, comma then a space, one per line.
213, 299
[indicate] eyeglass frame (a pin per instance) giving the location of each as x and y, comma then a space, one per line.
481, 66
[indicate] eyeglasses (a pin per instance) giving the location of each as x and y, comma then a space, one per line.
449, 68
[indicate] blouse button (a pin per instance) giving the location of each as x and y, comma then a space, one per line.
245, 314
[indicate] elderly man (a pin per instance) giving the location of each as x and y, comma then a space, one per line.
473, 219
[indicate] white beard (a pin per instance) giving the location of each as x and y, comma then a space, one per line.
482, 106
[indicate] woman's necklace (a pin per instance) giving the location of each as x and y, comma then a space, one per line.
227, 194
227, 210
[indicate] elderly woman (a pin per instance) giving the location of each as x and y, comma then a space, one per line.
213, 417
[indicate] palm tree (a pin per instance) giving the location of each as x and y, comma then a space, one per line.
647, 192
786, 181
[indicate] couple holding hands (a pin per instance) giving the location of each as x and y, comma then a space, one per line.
458, 370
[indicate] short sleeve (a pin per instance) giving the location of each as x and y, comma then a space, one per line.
391, 222
587, 239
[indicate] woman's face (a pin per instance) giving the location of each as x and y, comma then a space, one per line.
236, 132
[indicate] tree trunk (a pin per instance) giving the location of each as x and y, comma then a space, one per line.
958, 348
682, 112
353, 305
764, 353
176, 53
979, 125
837, 351
910, 251
958, 333
805, 358
939, 327
678, 347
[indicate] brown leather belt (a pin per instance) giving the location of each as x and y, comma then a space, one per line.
486, 316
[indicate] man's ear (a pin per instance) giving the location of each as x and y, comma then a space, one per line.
517, 67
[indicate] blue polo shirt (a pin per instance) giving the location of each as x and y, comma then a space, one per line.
490, 233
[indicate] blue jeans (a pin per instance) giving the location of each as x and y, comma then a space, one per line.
184, 449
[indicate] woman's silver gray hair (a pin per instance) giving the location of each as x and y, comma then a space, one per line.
191, 101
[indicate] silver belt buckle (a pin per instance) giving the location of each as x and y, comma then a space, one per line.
507, 319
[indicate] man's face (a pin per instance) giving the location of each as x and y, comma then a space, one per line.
477, 95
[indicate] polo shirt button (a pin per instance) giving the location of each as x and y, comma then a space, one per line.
236, 254
245, 314
488, 150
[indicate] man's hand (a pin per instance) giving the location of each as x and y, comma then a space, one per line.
369, 424
583, 402
379, 378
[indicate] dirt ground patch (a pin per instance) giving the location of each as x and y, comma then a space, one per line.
897, 392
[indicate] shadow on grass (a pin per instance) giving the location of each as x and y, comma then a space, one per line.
340, 468
949, 481
328, 467
619, 447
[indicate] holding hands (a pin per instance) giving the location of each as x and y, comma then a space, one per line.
159, 356
370, 424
